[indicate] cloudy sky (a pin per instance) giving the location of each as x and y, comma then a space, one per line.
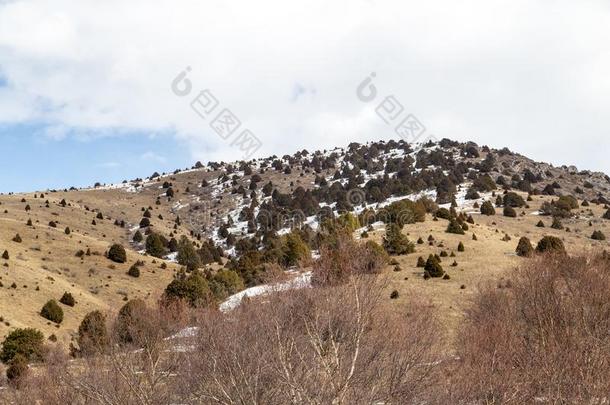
86, 86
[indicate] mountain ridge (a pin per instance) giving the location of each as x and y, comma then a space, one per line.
231, 211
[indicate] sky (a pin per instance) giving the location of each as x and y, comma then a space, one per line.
101, 91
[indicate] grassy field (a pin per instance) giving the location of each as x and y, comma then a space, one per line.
486, 261
45, 265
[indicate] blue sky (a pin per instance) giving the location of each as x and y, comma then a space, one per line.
33, 161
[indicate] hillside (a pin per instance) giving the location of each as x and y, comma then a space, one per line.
240, 206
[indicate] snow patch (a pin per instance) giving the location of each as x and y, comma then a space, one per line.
301, 281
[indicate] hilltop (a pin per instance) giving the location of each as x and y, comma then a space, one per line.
240, 216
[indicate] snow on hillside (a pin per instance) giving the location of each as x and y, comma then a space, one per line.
303, 280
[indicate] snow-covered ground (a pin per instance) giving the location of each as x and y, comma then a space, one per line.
303, 280
172, 257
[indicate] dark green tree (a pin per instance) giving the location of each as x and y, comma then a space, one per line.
52, 311
117, 253
433, 267
395, 243
27, 342
193, 288
187, 255
455, 227
551, 244
156, 245
525, 248
67, 299
487, 208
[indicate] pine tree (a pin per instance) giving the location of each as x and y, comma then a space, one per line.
67, 299
433, 267
134, 271
294, 249
598, 235
156, 245
551, 244
487, 208
525, 248
187, 255
509, 211
27, 342
52, 311
395, 243
557, 224
192, 288
455, 227
117, 253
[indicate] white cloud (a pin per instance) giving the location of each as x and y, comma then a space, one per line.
525, 74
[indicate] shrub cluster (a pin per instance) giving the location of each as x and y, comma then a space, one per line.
67, 299
52, 311
117, 253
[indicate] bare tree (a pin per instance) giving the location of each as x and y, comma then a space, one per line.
547, 338
142, 371
326, 345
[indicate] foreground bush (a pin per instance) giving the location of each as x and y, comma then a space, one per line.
337, 345
337, 263
322, 346
17, 371
26, 342
545, 337
92, 334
